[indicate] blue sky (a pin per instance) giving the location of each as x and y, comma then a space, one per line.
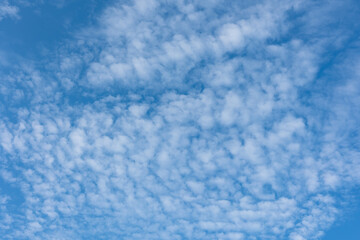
154, 119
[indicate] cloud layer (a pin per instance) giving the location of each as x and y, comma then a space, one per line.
184, 120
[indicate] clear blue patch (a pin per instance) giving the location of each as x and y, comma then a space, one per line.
41, 27
349, 227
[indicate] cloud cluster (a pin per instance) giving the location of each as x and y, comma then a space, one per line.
180, 120
157, 43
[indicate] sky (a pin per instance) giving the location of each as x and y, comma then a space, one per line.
188, 119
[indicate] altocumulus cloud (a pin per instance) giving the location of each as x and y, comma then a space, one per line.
184, 120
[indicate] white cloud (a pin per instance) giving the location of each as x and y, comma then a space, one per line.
231, 36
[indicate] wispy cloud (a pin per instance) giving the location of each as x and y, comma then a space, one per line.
7, 10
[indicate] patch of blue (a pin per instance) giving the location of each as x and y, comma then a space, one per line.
41, 28
349, 227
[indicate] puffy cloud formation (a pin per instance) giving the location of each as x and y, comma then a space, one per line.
184, 120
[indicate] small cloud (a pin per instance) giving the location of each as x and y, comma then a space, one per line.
7, 10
